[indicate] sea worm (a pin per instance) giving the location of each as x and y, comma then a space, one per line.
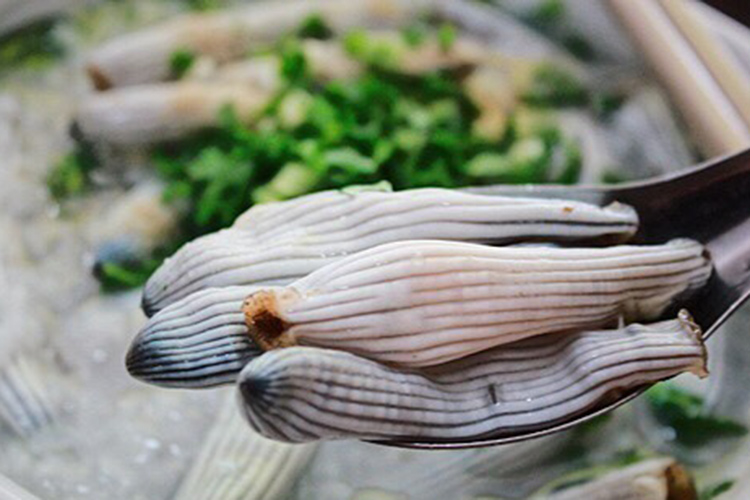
653, 479
237, 463
280, 242
419, 303
158, 112
304, 394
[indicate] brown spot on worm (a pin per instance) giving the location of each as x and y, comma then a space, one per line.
264, 324
680, 485
99, 79
568, 210
689, 324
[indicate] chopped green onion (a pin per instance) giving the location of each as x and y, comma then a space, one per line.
314, 26
447, 35
683, 412
180, 62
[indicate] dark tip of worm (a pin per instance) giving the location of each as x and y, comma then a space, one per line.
148, 306
254, 387
135, 360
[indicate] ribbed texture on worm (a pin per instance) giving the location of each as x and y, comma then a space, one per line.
198, 342
26, 406
281, 242
305, 394
237, 463
655, 479
158, 112
421, 303
144, 56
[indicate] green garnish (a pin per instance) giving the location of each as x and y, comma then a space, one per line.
31, 47
606, 104
71, 176
293, 63
545, 14
553, 86
180, 62
714, 490
447, 35
205, 5
314, 26
372, 50
683, 412
613, 177
415, 34
579, 46
119, 277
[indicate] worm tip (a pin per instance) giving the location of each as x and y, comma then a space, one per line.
135, 358
679, 483
696, 332
264, 323
253, 388
99, 79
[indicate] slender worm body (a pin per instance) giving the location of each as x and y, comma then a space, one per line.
306, 394
26, 405
236, 463
144, 56
420, 303
159, 112
654, 479
280, 242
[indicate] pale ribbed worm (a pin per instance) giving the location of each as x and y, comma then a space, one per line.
200, 341
305, 394
150, 113
236, 463
159, 112
144, 56
26, 405
654, 479
419, 303
280, 242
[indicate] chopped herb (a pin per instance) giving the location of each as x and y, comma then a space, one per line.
415, 34
683, 412
314, 26
606, 104
545, 14
293, 62
180, 62
71, 176
31, 47
714, 490
613, 177
205, 5
119, 277
579, 46
372, 50
447, 36
568, 155
555, 87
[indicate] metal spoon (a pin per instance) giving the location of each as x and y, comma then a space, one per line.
709, 203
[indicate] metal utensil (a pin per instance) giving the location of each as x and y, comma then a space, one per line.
709, 203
